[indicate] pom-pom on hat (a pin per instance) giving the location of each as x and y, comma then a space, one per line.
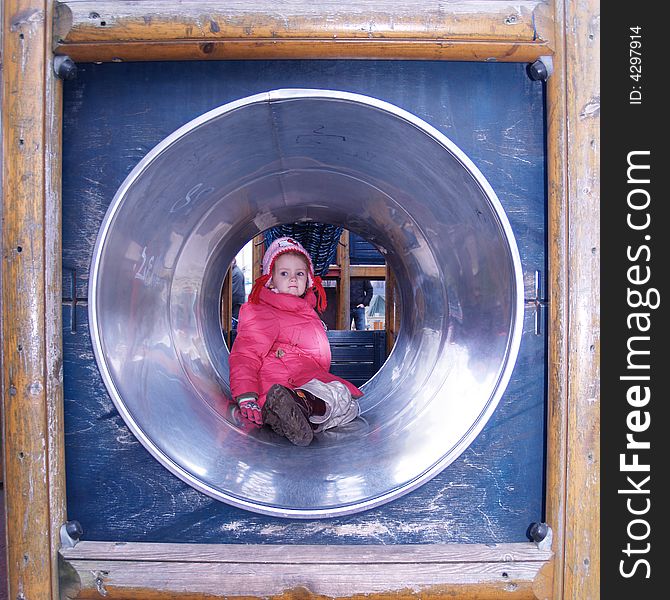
282, 246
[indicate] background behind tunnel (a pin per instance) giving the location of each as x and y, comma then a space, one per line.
114, 114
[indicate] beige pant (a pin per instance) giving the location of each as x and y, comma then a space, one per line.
341, 408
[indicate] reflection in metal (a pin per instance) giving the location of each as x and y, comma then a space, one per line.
332, 157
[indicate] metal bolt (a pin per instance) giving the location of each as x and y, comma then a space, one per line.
541, 69
537, 71
70, 532
74, 529
65, 68
538, 531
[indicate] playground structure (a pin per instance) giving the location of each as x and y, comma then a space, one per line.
158, 274
32, 381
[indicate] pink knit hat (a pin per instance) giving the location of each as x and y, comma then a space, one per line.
282, 246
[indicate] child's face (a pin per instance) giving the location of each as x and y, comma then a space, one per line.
289, 274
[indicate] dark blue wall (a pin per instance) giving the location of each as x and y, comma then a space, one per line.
114, 114
362, 252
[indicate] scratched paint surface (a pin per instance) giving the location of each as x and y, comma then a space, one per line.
114, 114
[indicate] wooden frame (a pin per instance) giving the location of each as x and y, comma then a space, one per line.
31, 290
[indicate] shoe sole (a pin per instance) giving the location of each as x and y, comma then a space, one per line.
282, 414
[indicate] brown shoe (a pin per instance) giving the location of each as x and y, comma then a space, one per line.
287, 415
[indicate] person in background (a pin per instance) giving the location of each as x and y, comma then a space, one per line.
360, 294
239, 297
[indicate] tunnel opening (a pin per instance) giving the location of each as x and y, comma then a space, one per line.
362, 313
287, 156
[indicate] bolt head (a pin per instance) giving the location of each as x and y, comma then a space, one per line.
74, 529
65, 68
538, 531
538, 71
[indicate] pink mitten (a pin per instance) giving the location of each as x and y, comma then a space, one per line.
250, 409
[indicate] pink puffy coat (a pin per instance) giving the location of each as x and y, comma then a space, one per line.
280, 340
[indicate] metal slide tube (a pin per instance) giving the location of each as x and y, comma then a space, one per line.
278, 157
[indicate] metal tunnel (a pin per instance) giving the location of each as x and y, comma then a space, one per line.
299, 155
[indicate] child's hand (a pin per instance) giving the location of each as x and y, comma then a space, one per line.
250, 410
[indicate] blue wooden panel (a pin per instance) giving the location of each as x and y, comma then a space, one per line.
362, 252
114, 114
357, 355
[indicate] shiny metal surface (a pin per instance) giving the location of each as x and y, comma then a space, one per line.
282, 156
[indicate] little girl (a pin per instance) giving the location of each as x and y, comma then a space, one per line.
280, 361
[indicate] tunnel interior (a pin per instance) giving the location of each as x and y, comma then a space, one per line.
301, 155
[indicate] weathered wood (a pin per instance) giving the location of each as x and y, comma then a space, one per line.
308, 554
343, 284
582, 62
30, 369
368, 271
573, 418
336, 49
257, 251
558, 308
171, 579
132, 570
196, 30
559, 363
53, 302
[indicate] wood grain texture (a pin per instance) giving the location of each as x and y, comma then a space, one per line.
309, 554
368, 271
559, 363
343, 320
196, 30
124, 570
172, 579
257, 251
53, 303
574, 389
582, 62
88, 20
335, 49
29, 101
392, 310
558, 307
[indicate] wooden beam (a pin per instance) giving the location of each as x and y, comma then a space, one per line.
582, 65
108, 30
573, 426
30, 375
129, 571
53, 300
368, 271
31, 295
343, 317
392, 316
377, 272
257, 251
558, 309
